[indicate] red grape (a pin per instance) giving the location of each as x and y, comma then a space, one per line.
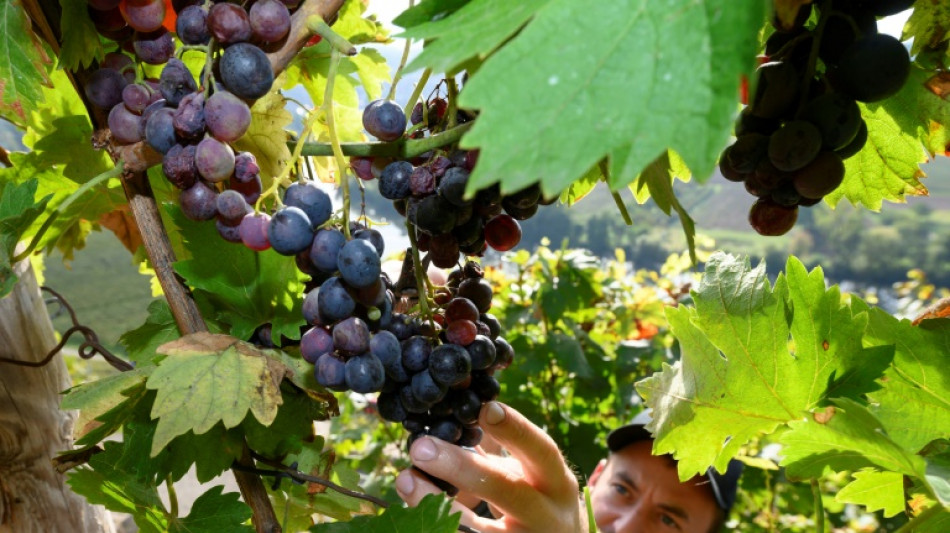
502, 233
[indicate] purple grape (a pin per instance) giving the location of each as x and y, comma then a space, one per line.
245, 164
125, 125
452, 187
330, 372
425, 389
178, 164
215, 160
334, 302
253, 231
358, 263
313, 201
189, 119
160, 130
104, 88
365, 373
229, 23
289, 231
246, 71
325, 249
402, 327
482, 353
314, 343
485, 386
465, 406
232, 208
351, 336
192, 25
198, 202
176, 81
251, 190
136, 97
227, 116
155, 47
471, 436
449, 364
270, 20
394, 182
410, 402
385, 120
447, 429
228, 233
390, 407
385, 346
373, 237
311, 308
415, 353
120, 62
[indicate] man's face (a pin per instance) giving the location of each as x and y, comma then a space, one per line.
637, 492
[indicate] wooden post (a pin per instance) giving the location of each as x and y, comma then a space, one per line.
34, 497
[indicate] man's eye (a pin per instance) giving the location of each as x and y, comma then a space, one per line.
669, 522
620, 489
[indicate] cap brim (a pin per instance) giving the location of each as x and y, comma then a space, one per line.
626, 435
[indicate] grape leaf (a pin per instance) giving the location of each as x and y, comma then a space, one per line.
292, 426
583, 186
247, 288
133, 402
474, 30
104, 482
938, 523
432, 515
849, 437
23, 63
551, 109
80, 43
18, 210
938, 476
428, 10
356, 29
267, 137
208, 378
214, 512
913, 403
928, 26
876, 491
657, 179
738, 376
159, 328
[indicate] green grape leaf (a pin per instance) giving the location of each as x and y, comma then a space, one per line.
844, 437
739, 375
18, 211
928, 26
23, 63
657, 179
356, 29
877, 491
214, 512
473, 31
211, 453
580, 188
132, 403
81, 45
428, 10
938, 523
208, 378
267, 136
938, 476
290, 429
103, 482
622, 95
142, 342
247, 288
432, 515
899, 130
912, 403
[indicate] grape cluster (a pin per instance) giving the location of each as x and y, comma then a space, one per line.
803, 120
430, 190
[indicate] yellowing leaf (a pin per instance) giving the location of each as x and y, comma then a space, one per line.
267, 137
23, 62
208, 378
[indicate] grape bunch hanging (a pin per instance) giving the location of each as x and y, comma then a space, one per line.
803, 120
433, 369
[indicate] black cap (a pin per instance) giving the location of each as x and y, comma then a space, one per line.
724, 485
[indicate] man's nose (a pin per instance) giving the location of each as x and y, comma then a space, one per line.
634, 519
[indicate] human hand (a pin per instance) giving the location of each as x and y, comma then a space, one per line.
533, 488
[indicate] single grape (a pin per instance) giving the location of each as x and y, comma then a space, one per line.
394, 182
311, 199
465, 406
289, 231
270, 20
482, 353
461, 332
390, 407
820, 177
143, 15
120, 62
452, 187
227, 117
410, 402
447, 429
351, 336
215, 160
228, 233
777, 91
449, 364
189, 118
402, 327
231, 207
198, 202
245, 165
311, 308
494, 326
794, 145
362, 167
519, 213
875, 67
125, 125
504, 353
471, 436
155, 47
176, 82
525, 198
104, 88
314, 343
415, 353
444, 250
334, 302
326, 248
426, 389
136, 97
251, 190
253, 231
839, 34
748, 150
786, 195
192, 25
229, 23
178, 165
160, 129
478, 291
433, 215
246, 71
485, 386
856, 144
385, 120
470, 232
502, 233
837, 118
365, 373
771, 219
422, 182
358, 263
373, 237
331, 372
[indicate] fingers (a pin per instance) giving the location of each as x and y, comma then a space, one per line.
413, 486
540, 458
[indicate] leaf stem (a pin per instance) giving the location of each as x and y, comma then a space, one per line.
404, 149
114, 172
417, 92
335, 142
453, 102
421, 278
819, 507
812, 57
295, 156
402, 62
318, 26
172, 497
623, 208
920, 519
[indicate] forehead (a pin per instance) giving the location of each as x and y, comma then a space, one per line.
637, 462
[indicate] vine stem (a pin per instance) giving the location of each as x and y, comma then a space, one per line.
335, 142
813, 57
318, 26
421, 278
623, 208
172, 497
416, 93
399, 149
819, 507
920, 519
453, 102
114, 172
402, 63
